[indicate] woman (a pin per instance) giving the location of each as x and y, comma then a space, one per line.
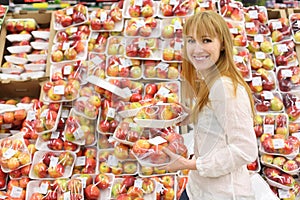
224, 140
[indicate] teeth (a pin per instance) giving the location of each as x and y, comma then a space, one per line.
201, 58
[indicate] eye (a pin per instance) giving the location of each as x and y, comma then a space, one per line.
191, 40
207, 40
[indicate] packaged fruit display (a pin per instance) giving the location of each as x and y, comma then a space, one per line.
143, 48
107, 20
291, 103
254, 166
128, 133
149, 152
105, 141
262, 60
256, 13
279, 179
149, 171
132, 187
72, 15
69, 51
80, 130
166, 92
280, 29
98, 42
268, 101
289, 166
181, 185
88, 106
241, 57
173, 8
238, 33
74, 33
52, 164
140, 8
156, 70
22, 172
61, 188
288, 78
12, 118
166, 187
108, 119
285, 54
263, 79
16, 189
22, 26
260, 43
3, 12
142, 27
202, 5
172, 50
172, 27
294, 24
14, 153
279, 145
41, 33
86, 162
97, 186
118, 161
119, 66
115, 46
130, 109
232, 10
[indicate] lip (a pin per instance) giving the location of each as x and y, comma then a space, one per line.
200, 58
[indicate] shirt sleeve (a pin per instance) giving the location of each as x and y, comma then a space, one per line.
234, 115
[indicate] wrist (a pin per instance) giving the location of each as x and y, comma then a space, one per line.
191, 164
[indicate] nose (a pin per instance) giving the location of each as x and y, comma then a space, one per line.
198, 47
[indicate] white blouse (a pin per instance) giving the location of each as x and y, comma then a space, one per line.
221, 169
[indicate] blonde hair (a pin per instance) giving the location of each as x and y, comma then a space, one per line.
212, 24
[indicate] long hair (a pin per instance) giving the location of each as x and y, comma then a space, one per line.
211, 24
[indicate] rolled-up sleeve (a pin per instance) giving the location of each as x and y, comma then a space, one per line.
234, 115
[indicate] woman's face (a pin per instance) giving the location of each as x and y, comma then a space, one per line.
203, 54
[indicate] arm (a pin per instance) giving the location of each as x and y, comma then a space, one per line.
235, 117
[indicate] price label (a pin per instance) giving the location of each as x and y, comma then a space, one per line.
204, 5
276, 25
53, 161
55, 135
112, 161
287, 73
268, 95
238, 59
163, 66
9, 153
44, 113
282, 48
283, 194
269, 128
6, 126
3, 197
138, 183
140, 23
66, 45
67, 195
233, 5
163, 91
31, 115
260, 55
249, 25
69, 11
125, 62
258, 38
111, 139
80, 161
78, 134
16, 192
74, 30
253, 14
297, 135
177, 25
103, 16
111, 112
68, 69
278, 143
83, 181
59, 89
173, 2
142, 44
159, 187
96, 60
94, 35
234, 30
256, 81
126, 92
157, 140
177, 45
65, 113
297, 104
44, 188
133, 125
298, 23
138, 2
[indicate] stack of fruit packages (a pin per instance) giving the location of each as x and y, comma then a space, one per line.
27, 45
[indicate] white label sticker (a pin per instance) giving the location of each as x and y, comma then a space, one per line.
112, 161
3, 197
80, 161
53, 161
9, 153
103, 16
163, 66
287, 73
297, 104
177, 25
276, 25
159, 187
283, 193
298, 23
204, 5
278, 143
69, 11
111, 139
31, 115
269, 128
66, 45
44, 188
233, 5
126, 92
163, 91
133, 125
297, 135
94, 35
256, 81
138, 183
78, 134
55, 135
74, 30
253, 14
238, 59
249, 25
65, 113
67, 69
258, 38
282, 48
111, 112
125, 62
59, 89
138, 2
178, 45
142, 44
234, 30
6, 126
83, 181
67, 195
96, 60
173, 2
140, 23
260, 55
16, 192
44, 113
157, 140
268, 95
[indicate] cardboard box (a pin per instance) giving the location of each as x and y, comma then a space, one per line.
19, 89
42, 17
276, 13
